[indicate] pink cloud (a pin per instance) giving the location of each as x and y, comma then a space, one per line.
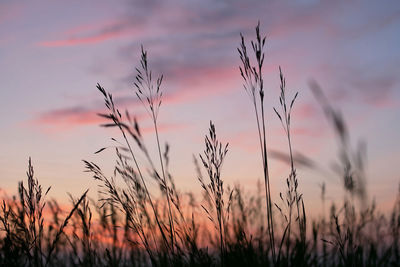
304, 111
81, 40
306, 132
164, 127
69, 116
247, 140
61, 120
92, 34
196, 83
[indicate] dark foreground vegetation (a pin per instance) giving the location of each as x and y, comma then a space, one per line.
133, 225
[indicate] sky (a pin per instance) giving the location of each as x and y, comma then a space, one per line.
53, 53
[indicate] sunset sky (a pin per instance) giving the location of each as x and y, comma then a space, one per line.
52, 54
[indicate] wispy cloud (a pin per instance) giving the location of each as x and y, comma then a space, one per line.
304, 110
72, 117
92, 34
66, 119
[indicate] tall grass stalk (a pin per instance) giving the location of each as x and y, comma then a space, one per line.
254, 86
151, 95
212, 159
293, 197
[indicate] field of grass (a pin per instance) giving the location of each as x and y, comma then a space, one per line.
130, 225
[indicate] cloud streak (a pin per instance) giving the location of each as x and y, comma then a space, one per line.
65, 119
93, 34
72, 117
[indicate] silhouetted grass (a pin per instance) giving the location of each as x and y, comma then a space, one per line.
135, 225
212, 160
26, 240
254, 86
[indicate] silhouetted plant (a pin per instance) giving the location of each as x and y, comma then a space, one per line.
254, 86
135, 201
292, 195
212, 159
151, 97
23, 224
